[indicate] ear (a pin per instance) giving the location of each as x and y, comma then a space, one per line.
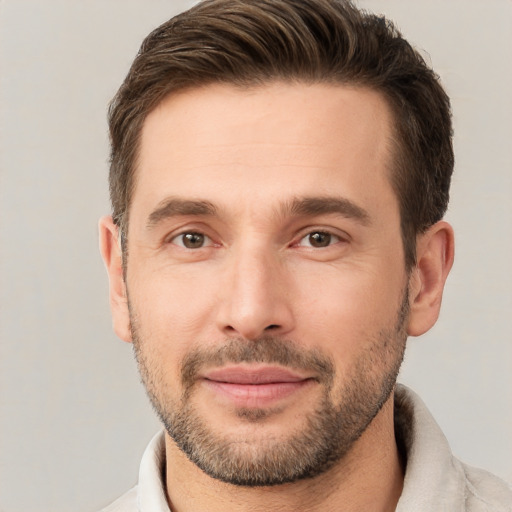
110, 248
434, 259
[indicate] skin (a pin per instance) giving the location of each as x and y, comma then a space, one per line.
245, 156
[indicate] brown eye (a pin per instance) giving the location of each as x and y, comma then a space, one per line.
191, 240
319, 239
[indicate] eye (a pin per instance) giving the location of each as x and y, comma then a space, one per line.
319, 239
191, 240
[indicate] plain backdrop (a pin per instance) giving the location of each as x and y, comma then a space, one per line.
74, 419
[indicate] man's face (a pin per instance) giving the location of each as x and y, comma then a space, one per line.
265, 275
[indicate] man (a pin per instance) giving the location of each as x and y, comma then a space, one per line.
279, 175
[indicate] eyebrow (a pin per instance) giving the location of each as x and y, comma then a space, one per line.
312, 206
172, 207
300, 206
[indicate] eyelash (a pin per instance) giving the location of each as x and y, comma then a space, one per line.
180, 236
206, 241
322, 232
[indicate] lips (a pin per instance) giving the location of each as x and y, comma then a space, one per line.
254, 386
252, 375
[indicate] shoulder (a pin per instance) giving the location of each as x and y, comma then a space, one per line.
435, 479
126, 503
486, 492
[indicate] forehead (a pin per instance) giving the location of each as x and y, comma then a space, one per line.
264, 142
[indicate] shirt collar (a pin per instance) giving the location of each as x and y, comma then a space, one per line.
434, 479
151, 496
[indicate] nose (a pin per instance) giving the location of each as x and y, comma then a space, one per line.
256, 297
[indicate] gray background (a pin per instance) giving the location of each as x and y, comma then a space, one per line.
73, 416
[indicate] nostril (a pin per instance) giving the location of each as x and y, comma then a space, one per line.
271, 327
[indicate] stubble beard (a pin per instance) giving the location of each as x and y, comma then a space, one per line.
327, 433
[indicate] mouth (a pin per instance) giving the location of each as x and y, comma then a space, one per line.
253, 386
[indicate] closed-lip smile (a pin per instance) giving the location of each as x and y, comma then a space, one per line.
254, 386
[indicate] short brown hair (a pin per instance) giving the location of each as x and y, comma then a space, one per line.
253, 42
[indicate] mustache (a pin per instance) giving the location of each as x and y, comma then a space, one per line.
265, 349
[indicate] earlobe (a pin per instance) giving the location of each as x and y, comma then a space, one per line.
111, 253
434, 259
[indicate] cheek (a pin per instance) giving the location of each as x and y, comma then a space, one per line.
172, 307
350, 309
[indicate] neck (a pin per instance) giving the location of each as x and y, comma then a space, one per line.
369, 477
